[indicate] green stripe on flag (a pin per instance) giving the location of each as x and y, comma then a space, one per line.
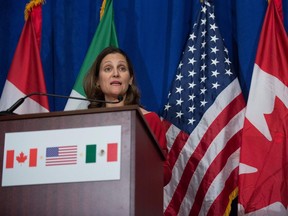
91, 153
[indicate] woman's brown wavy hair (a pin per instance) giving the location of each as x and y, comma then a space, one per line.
93, 91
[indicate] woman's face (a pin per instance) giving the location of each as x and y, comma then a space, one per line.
114, 76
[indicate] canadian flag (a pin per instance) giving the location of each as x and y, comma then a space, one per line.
21, 158
26, 73
263, 179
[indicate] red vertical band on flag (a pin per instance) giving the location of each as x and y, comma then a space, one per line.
112, 152
10, 159
33, 158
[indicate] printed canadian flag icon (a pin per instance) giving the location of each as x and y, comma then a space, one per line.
21, 158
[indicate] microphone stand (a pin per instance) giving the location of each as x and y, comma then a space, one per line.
10, 110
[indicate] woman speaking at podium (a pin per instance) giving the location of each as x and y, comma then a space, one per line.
112, 77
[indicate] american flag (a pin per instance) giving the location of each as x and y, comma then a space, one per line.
204, 118
61, 155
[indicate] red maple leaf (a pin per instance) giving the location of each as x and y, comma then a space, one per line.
270, 183
21, 158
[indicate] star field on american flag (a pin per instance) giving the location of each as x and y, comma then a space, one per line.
204, 71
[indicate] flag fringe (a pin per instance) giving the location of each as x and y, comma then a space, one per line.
29, 6
232, 196
102, 8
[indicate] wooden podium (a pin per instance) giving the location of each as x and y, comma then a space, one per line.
138, 192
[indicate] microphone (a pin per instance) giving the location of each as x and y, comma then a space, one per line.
11, 109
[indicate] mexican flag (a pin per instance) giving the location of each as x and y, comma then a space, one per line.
104, 36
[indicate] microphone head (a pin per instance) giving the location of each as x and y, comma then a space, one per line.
120, 98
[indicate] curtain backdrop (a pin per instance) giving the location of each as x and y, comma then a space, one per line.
153, 33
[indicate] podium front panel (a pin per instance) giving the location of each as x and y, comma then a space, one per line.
131, 195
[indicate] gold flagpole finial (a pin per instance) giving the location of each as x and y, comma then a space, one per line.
102, 9
29, 7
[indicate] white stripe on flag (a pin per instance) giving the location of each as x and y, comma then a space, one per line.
211, 194
11, 94
73, 104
